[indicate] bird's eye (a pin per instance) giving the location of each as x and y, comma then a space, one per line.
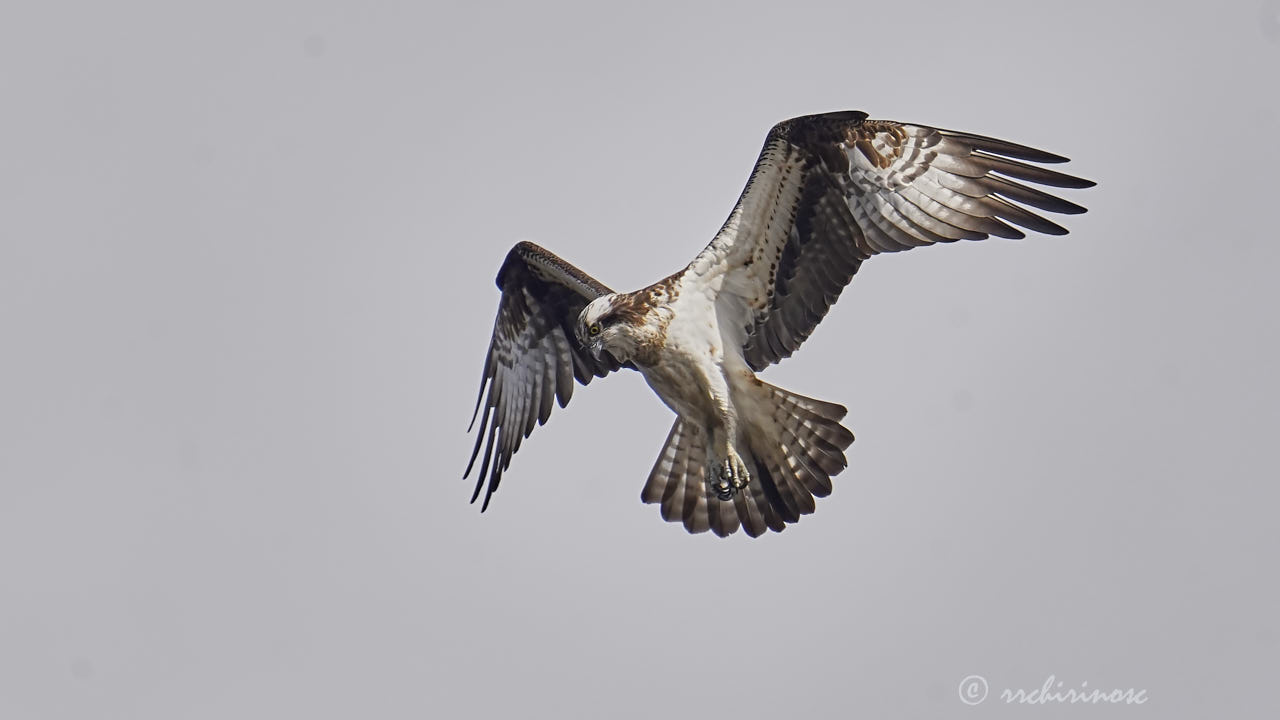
594, 330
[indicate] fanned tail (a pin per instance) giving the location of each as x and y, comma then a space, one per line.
796, 446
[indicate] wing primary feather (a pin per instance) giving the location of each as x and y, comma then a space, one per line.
1003, 147
484, 468
1031, 196
1023, 171
479, 437
492, 488
1028, 219
484, 380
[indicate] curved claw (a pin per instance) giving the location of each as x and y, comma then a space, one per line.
729, 477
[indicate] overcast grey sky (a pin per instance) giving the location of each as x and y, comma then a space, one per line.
246, 282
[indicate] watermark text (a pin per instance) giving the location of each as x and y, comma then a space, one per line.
974, 689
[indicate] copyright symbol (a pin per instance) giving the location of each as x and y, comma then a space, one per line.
973, 690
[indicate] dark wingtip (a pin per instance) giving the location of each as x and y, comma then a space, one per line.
1071, 181
493, 487
476, 411
1048, 227
1049, 158
480, 481
1064, 207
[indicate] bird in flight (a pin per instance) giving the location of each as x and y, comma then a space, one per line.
827, 192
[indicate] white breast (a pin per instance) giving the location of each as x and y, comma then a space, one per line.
693, 356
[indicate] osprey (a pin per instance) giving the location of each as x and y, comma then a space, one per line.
827, 192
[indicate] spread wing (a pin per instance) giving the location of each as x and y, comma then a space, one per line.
830, 191
534, 356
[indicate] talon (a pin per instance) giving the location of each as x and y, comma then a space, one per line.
737, 473
727, 477
723, 490
723, 484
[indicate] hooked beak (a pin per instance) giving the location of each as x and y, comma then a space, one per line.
595, 347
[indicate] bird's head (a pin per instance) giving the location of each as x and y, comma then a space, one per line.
600, 328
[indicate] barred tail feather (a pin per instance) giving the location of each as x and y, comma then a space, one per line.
678, 479
804, 444
796, 445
